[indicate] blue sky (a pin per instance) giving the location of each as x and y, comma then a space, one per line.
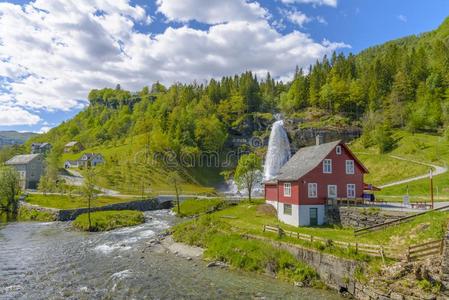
53, 51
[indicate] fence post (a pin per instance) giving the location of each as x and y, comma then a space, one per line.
311, 239
356, 247
407, 256
382, 254
263, 228
297, 235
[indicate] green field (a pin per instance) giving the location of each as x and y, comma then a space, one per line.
420, 147
125, 171
248, 219
66, 202
108, 220
194, 207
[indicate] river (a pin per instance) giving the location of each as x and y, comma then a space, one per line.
53, 261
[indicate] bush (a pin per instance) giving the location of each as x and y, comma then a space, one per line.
108, 220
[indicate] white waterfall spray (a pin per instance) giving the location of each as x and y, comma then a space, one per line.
278, 152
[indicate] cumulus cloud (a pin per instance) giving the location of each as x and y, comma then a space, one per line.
296, 17
332, 3
53, 52
10, 116
211, 11
44, 129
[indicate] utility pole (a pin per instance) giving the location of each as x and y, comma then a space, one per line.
431, 187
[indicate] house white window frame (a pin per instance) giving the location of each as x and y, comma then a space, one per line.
329, 196
287, 189
327, 166
338, 150
350, 187
350, 167
312, 190
286, 205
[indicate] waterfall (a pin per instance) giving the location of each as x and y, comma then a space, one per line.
278, 152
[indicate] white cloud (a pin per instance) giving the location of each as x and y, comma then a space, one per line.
296, 17
55, 51
332, 3
402, 18
44, 129
211, 11
10, 116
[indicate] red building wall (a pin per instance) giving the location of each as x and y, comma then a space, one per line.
338, 177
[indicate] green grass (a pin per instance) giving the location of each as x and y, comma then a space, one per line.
66, 202
193, 207
245, 218
30, 214
122, 167
244, 254
384, 169
108, 220
420, 147
222, 234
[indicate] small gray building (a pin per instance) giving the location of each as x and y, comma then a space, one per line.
30, 168
40, 148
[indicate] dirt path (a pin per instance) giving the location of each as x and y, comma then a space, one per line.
437, 170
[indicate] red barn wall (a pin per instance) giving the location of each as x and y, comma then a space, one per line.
338, 177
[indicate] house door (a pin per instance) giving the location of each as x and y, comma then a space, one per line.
313, 214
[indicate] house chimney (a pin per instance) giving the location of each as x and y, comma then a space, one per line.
319, 139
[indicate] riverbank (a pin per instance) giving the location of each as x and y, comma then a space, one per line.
235, 236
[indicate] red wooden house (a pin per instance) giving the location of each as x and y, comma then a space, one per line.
313, 175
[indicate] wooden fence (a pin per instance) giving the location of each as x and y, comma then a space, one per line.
396, 222
413, 253
417, 252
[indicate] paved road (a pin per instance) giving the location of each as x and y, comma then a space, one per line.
437, 170
397, 206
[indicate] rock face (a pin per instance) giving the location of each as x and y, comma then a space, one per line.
243, 134
306, 137
357, 217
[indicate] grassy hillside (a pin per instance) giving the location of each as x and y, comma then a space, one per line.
419, 147
125, 170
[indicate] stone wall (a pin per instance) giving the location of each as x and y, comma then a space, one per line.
336, 272
71, 214
360, 217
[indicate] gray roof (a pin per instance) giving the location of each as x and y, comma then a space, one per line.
22, 159
90, 156
305, 160
71, 144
